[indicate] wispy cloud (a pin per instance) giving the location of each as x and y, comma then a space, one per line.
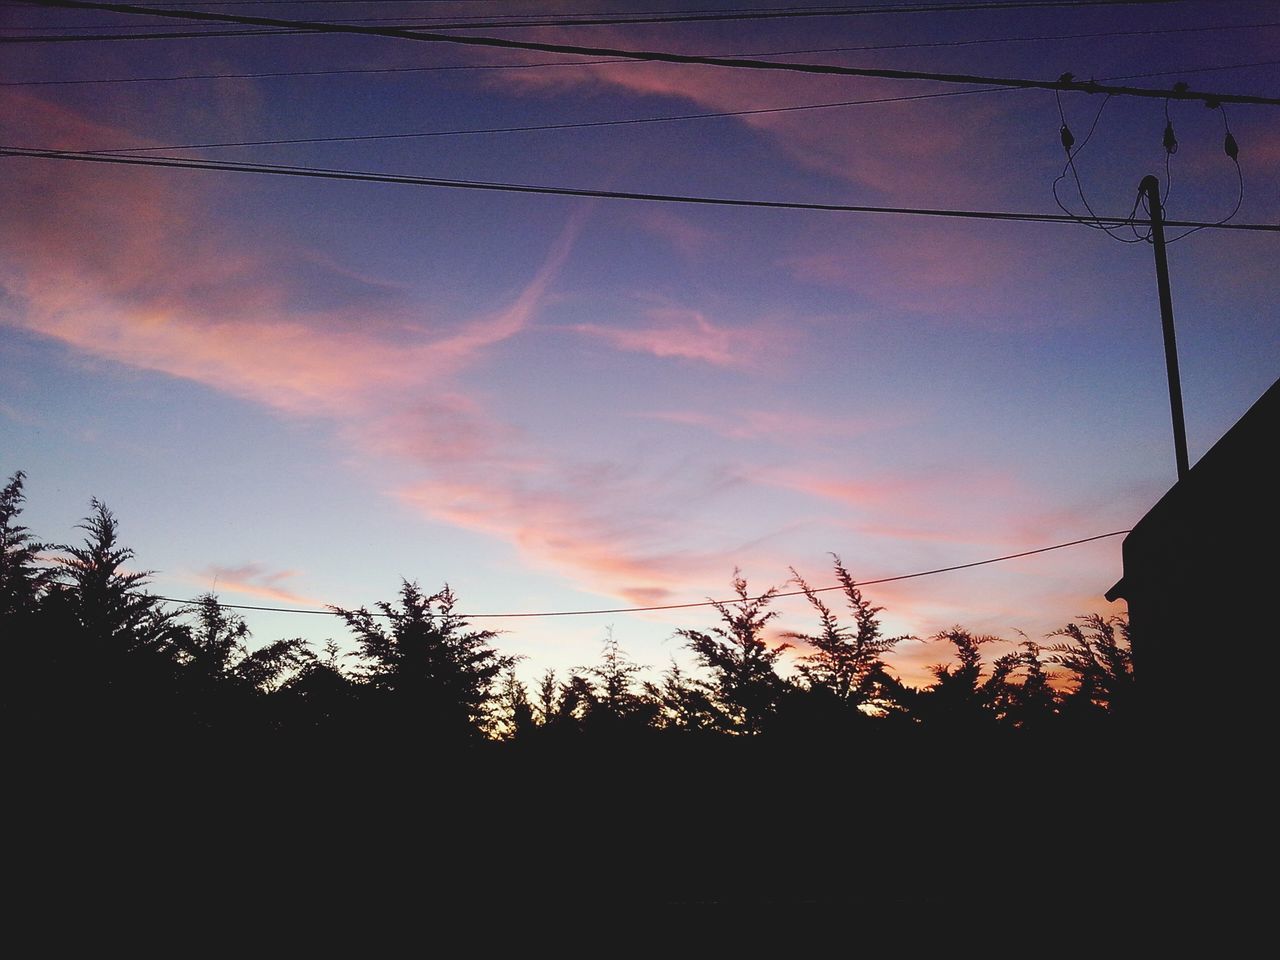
254, 580
687, 334
848, 491
169, 292
608, 537
894, 149
682, 233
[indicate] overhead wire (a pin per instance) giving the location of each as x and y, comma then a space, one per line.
1231, 149
1070, 166
475, 131
587, 124
1036, 38
323, 173
165, 35
617, 60
903, 7
334, 610
658, 56
1169, 141
526, 20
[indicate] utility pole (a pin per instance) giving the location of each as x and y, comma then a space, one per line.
1151, 187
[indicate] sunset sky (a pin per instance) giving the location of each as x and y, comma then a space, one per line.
297, 392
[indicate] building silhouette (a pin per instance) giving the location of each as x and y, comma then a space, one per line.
1200, 578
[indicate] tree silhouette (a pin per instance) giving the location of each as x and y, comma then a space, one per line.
1099, 655
614, 703
438, 674
559, 708
516, 712
683, 703
745, 687
547, 704
1030, 704
847, 663
615, 674
37, 677
22, 579
320, 698
107, 602
575, 702
960, 699
215, 649
110, 641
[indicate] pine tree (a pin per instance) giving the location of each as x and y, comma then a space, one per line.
516, 712
22, 579
847, 663
109, 646
682, 703
320, 697
745, 685
615, 676
216, 648
438, 673
960, 698
107, 602
547, 704
1099, 655
1032, 703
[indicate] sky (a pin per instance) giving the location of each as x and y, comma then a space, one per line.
297, 392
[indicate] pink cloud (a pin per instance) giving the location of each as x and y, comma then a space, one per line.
171, 293
915, 266
682, 233
255, 580
567, 530
132, 267
878, 146
854, 493
686, 334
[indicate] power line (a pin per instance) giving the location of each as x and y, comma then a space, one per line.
574, 63
490, 23
1097, 35
334, 611
494, 17
586, 124
903, 7
546, 126
321, 173
523, 21
518, 21
268, 3
171, 35
656, 56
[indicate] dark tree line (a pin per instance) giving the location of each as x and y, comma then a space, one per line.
96, 655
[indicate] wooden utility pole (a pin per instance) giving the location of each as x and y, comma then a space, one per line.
1151, 187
